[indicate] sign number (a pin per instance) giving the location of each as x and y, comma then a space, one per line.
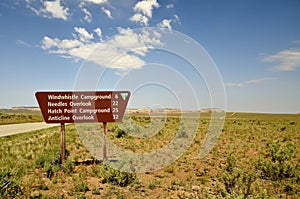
115, 117
115, 103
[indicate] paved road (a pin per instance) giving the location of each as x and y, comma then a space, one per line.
12, 129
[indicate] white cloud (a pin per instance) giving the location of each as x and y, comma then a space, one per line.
60, 45
87, 15
107, 12
50, 9
81, 52
98, 31
121, 52
48, 43
285, 60
176, 19
146, 7
23, 43
83, 35
144, 11
139, 18
56, 9
137, 43
245, 83
170, 6
166, 23
95, 1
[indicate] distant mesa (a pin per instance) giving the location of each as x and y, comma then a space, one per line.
170, 110
149, 110
138, 110
211, 110
29, 108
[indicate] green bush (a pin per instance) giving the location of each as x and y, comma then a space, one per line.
280, 153
182, 132
68, 166
116, 177
49, 160
231, 181
120, 133
9, 186
277, 163
80, 186
231, 163
237, 183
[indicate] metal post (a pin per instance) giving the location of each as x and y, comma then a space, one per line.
63, 151
104, 141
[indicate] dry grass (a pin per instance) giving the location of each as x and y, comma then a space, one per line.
10, 116
31, 163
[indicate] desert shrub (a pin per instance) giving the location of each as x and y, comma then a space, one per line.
9, 185
237, 183
230, 181
280, 153
49, 160
231, 163
68, 166
182, 132
120, 133
291, 188
116, 177
277, 162
80, 186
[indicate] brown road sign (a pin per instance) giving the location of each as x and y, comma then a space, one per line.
83, 107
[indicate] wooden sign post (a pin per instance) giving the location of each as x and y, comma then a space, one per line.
63, 145
82, 107
104, 141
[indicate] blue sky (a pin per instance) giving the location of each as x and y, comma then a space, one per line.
255, 46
